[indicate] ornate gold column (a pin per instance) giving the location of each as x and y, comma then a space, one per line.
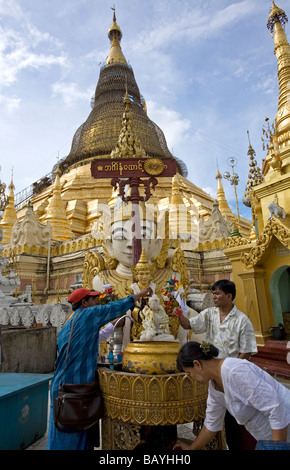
257, 303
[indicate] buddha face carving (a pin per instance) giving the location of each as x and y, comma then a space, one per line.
120, 244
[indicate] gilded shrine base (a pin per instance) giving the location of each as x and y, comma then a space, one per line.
139, 407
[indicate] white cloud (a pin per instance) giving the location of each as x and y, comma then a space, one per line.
211, 191
267, 84
10, 8
191, 24
170, 121
70, 93
23, 47
11, 104
231, 14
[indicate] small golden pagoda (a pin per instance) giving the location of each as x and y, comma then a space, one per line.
56, 214
9, 215
222, 201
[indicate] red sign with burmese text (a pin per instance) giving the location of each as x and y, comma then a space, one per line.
127, 167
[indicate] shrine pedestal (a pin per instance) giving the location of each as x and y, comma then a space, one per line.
140, 407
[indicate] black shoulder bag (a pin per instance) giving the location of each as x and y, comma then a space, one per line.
78, 406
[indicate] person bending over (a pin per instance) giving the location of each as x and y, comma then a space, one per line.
252, 396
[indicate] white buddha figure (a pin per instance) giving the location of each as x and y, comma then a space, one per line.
156, 322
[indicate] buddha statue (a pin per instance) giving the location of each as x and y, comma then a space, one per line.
115, 265
142, 272
155, 324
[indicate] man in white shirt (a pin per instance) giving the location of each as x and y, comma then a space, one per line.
232, 333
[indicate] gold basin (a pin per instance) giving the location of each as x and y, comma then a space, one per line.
151, 357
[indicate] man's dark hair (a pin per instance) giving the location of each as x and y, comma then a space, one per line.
228, 287
79, 304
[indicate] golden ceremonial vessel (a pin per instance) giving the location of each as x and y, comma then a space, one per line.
137, 402
151, 357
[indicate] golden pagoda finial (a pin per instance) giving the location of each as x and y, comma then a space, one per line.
176, 197
9, 215
181, 220
224, 207
255, 176
276, 15
56, 214
115, 35
128, 145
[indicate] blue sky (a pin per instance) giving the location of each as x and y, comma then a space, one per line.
206, 69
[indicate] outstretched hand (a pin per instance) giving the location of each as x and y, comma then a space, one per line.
180, 445
184, 321
146, 292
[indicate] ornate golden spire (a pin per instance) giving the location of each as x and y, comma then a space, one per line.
115, 35
56, 214
128, 144
276, 14
9, 215
276, 24
224, 208
255, 176
176, 197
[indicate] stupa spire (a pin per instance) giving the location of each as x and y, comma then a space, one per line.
224, 207
56, 214
276, 24
255, 176
9, 215
128, 143
115, 35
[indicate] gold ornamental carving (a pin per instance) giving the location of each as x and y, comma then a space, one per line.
274, 227
237, 241
151, 357
117, 435
154, 166
154, 400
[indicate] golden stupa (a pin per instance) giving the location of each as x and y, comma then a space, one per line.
70, 198
97, 138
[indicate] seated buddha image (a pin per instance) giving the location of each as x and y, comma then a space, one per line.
155, 323
142, 273
114, 265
